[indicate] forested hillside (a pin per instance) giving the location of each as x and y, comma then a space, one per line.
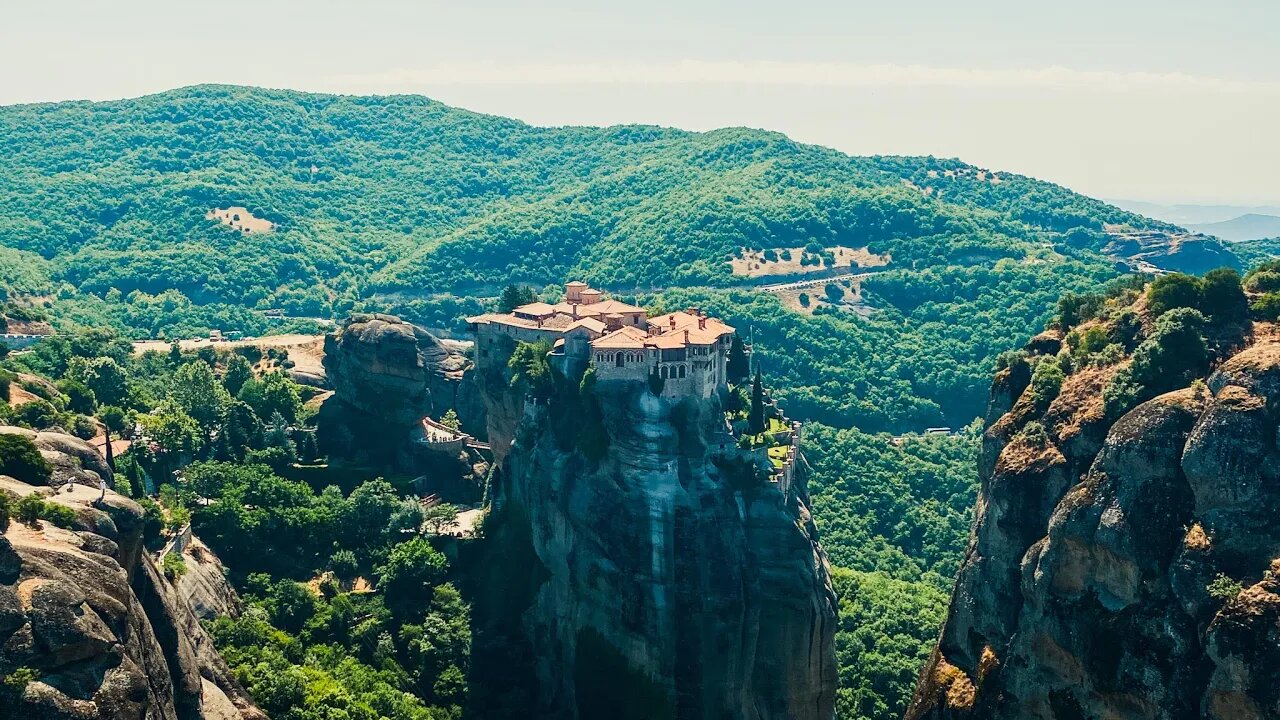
405, 204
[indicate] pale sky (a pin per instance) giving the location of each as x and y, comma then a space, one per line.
1169, 100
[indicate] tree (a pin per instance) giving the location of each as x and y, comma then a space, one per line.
198, 393
438, 519
237, 374
176, 434
272, 393
450, 420
103, 376
79, 397
530, 369
368, 512
736, 366
240, 431
1169, 292
291, 605
21, 459
1223, 296
344, 565
514, 296
113, 421
755, 418
411, 570
277, 436
1075, 308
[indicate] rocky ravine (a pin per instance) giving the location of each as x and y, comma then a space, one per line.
638, 575
1122, 569
107, 635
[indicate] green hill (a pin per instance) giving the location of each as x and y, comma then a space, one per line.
404, 204
406, 194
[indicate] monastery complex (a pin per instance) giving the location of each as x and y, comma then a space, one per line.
687, 349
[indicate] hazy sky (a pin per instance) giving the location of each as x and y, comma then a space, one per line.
1168, 100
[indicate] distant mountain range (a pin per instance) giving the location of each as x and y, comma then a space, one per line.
1252, 226
1192, 215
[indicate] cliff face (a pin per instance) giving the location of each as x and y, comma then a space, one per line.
106, 634
1122, 568
386, 375
645, 577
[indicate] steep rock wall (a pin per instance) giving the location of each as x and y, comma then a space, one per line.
1122, 569
107, 635
647, 579
386, 375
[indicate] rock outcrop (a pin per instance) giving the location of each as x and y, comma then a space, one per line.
386, 375
1121, 567
90, 628
1176, 251
642, 572
72, 460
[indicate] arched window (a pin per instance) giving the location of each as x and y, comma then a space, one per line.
663, 372
681, 371
621, 357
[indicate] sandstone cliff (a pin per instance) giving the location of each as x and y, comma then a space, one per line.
386, 375
1122, 564
634, 572
88, 621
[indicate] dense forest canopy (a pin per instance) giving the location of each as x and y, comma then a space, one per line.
404, 194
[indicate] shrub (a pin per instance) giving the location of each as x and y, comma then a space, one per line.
1034, 434
21, 460
1075, 308
174, 565
60, 515
1223, 587
82, 427
1223, 297
17, 681
29, 509
1174, 355
6, 507
1173, 291
1263, 278
37, 414
344, 565
6, 380
152, 520
1046, 381
1267, 307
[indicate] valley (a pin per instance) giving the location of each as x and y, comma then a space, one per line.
241, 280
